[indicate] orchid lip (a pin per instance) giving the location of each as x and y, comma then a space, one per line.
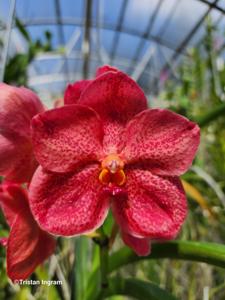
113, 166
112, 171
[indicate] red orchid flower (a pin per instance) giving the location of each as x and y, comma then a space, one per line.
108, 148
17, 108
72, 94
27, 245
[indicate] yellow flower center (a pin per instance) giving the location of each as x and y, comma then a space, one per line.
112, 171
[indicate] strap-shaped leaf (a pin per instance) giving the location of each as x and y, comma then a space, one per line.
210, 253
212, 115
137, 289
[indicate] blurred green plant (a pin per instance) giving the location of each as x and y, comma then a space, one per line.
17, 65
199, 94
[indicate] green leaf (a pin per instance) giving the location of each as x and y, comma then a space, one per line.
95, 276
135, 288
210, 253
81, 266
51, 290
108, 224
22, 30
23, 294
211, 115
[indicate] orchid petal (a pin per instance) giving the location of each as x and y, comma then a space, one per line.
73, 91
154, 207
162, 141
27, 247
116, 98
13, 200
66, 137
141, 246
68, 204
17, 107
17, 161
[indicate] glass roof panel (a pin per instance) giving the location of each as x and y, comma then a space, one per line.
28, 10
138, 14
4, 10
164, 12
221, 4
73, 36
106, 38
112, 11
127, 45
184, 19
122, 32
72, 9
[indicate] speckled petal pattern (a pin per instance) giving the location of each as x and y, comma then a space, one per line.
115, 97
68, 204
163, 141
155, 206
66, 137
141, 246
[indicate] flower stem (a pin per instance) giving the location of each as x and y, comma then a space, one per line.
113, 235
103, 242
210, 253
104, 266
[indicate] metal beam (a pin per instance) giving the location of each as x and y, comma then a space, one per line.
102, 53
76, 55
143, 63
68, 49
118, 29
56, 77
78, 22
86, 39
60, 31
153, 17
7, 38
169, 18
59, 22
213, 5
193, 31
146, 33
47, 78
